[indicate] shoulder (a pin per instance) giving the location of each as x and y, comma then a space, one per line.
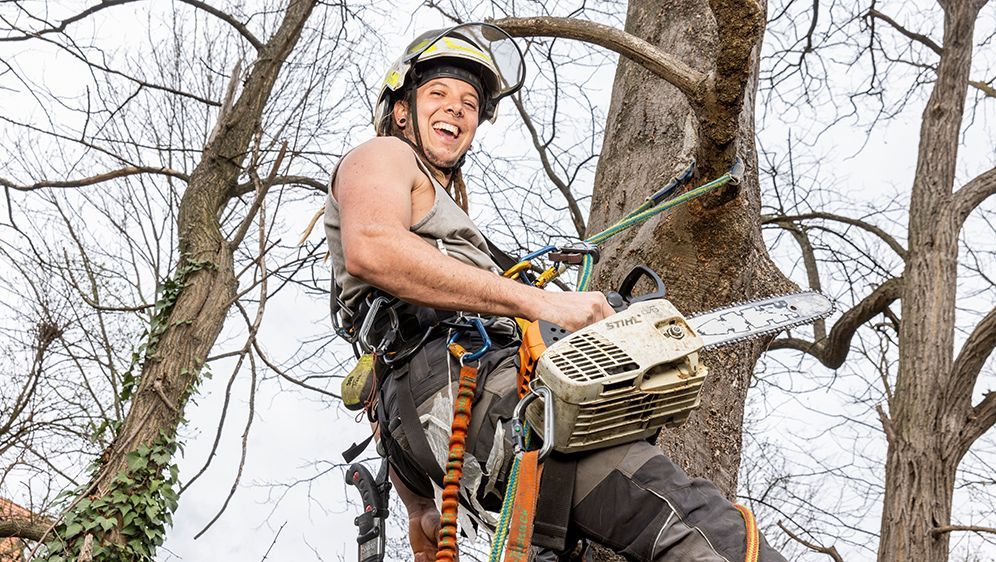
383, 161
381, 151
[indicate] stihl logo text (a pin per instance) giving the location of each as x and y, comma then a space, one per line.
620, 323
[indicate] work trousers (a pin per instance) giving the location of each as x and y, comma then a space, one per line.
630, 498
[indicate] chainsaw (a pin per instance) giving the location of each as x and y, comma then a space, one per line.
625, 377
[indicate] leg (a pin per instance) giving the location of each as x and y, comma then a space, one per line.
633, 499
423, 521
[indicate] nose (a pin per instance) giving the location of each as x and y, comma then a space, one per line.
456, 108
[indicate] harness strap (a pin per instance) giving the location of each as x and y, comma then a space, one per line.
413, 431
520, 529
553, 508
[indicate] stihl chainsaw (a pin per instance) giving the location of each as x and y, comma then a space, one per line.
623, 378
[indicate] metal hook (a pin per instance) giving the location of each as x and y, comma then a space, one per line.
548, 420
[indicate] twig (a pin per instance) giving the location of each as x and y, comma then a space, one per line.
829, 551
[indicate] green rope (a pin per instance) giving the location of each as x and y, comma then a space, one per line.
501, 531
643, 213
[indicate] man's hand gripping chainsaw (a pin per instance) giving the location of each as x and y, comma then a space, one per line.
625, 377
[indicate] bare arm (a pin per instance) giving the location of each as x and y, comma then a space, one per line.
374, 189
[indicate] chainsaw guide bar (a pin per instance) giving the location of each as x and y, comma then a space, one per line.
745, 321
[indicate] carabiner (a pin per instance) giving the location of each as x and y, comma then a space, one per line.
518, 427
485, 341
368, 322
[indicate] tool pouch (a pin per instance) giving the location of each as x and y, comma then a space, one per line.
358, 386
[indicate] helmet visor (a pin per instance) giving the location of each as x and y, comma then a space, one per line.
498, 51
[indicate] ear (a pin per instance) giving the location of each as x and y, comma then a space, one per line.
400, 113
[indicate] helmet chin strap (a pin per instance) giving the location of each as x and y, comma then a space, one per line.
413, 115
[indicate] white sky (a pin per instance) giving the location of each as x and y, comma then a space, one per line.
292, 431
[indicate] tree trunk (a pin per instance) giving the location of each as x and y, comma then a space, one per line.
709, 254
183, 333
928, 414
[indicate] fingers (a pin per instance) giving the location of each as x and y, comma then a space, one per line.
574, 311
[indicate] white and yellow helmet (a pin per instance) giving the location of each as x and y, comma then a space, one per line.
480, 54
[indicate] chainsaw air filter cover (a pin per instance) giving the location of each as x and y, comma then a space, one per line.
621, 379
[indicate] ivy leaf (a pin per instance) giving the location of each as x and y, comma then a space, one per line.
73, 529
137, 462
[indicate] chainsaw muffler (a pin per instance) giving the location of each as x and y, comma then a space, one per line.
620, 379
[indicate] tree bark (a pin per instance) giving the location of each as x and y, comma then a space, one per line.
708, 254
927, 414
202, 305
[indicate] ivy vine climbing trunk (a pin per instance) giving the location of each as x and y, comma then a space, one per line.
123, 512
709, 253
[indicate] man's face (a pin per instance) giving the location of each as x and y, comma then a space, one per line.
447, 119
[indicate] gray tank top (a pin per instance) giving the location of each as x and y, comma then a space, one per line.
446, 226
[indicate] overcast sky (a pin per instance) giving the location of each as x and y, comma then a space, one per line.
297, 437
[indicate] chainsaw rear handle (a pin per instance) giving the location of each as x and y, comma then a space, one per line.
370, 523
621, 299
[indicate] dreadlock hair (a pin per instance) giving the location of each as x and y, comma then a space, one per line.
456, 188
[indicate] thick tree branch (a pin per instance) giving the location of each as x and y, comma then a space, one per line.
17, 522
983, 87
973, 193
981, 419
688, 80
576, 216
870, 228
973, 528
977, 349
28, 529
230, 20
832, 351
318, 185
93, 180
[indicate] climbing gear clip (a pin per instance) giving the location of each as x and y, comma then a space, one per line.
368, 322
518, 415
460, 353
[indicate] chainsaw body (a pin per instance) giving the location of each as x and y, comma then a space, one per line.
618, 380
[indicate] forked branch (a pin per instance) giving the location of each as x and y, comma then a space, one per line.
830, 551
832, 351
858, 223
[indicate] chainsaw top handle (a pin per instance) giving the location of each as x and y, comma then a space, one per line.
621, 299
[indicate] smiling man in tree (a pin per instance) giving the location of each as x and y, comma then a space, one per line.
397, 227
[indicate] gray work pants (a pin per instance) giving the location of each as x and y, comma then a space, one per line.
630, 498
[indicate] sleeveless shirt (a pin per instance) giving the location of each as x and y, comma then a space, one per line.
446, 226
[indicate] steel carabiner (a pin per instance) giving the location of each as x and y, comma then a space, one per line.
485, 341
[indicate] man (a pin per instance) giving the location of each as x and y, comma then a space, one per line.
396, 222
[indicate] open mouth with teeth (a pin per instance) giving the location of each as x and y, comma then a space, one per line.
446, 130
